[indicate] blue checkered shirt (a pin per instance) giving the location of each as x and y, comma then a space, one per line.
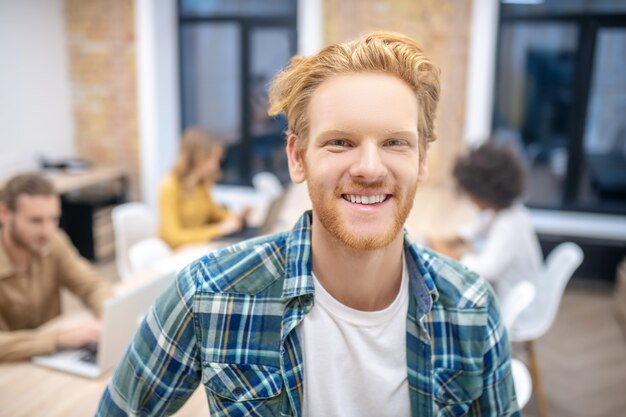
229, 320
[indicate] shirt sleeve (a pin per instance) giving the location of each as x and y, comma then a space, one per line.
23, 344
171, 228
470, 231
498, 398
79, 277
161, 368
218, 212
497, 251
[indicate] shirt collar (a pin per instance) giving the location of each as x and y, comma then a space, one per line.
298, 269
299, 276
420, 276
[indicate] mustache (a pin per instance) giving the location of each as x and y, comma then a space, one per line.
359, 186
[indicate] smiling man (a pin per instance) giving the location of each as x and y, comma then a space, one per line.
343, 315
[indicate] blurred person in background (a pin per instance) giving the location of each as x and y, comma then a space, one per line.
501, 244
36, 261
188, 213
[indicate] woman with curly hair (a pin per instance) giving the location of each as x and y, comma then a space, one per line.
501, 245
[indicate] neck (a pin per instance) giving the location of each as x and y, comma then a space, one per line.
18, 255
363, 280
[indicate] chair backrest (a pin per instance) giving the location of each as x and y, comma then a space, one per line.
560, 265
146, 253
523, 382
296, 202
267, 184
132, 222
515, 301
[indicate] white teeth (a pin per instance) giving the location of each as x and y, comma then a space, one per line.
365, 199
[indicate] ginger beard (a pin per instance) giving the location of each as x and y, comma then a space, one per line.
325, 208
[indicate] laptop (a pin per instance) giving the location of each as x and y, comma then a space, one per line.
122, 316
182, 258
271, 219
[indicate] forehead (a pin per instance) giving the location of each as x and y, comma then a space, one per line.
363, 103
44, 205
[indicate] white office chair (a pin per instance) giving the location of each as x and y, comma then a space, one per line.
513, 303
145, 253
517, 299
523, 382
538, 317
132, 222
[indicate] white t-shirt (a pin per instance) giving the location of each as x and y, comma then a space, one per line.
506, 248
355, 361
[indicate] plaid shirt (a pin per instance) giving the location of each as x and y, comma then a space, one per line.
229, 323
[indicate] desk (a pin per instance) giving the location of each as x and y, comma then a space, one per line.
29, 390
67, 182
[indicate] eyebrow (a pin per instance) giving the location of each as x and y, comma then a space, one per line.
402, 133
387, 132
334, 132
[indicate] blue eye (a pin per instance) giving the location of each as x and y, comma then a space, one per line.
395, 142
338, 142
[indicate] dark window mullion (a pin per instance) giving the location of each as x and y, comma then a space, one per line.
582, 86
244, 166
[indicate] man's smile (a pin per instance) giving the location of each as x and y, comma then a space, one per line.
364, 199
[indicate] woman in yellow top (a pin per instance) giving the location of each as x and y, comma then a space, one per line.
188, 212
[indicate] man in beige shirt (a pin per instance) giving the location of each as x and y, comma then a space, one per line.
36, 261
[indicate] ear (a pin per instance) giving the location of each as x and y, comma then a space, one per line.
4, 213
295, 159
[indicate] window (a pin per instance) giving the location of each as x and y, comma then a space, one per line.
560, 97
229, 53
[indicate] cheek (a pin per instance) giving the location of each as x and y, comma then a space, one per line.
330, 166
405, 171
23, 230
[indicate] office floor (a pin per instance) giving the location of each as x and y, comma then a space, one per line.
583, 356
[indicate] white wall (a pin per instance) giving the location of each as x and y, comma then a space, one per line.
310, 26
480, 71
35, 101
157, 75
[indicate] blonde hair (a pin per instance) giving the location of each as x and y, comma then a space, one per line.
386, 52
195, 147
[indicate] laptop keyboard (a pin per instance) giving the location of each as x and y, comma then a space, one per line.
89, 353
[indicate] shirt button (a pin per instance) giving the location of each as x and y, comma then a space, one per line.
237, 392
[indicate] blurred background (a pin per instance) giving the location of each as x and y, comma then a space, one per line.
114, 83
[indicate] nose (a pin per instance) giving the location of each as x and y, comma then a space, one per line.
49, 227
369, 165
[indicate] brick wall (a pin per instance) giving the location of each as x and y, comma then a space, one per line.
102, 60
442, 28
